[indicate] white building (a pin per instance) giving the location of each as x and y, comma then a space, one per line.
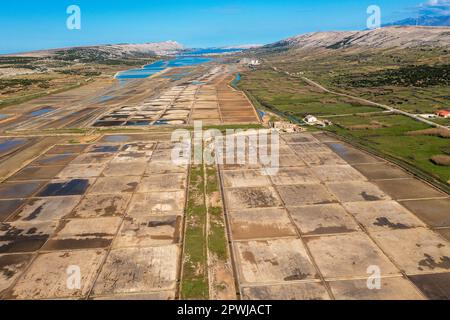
310, 119
251, 62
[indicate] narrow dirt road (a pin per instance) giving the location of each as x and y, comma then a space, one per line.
386, 107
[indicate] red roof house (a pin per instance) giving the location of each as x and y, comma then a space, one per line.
443, 113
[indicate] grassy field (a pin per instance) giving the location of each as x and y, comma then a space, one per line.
390, 136
24, 79
296, 97
21, 98
384, 133
414, 80
443, 121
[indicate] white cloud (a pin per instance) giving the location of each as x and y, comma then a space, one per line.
435, 7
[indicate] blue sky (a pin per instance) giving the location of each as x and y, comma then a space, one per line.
31, 24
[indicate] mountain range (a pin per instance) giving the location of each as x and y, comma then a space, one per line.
386, 37
425, 20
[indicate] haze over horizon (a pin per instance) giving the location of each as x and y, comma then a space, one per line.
198, 24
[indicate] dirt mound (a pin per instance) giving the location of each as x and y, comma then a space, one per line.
441, 160
437, 132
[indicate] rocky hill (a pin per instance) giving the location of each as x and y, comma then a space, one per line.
109, 52
390, 37
158, 48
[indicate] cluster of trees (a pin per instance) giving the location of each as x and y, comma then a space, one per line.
19, 83
80, 73
99, 56
18, 62
408, 76
85, 55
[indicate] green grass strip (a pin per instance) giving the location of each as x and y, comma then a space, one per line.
195, 268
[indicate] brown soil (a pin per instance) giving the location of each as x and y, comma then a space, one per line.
438, 132
441, 160
221, 279
371, 126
